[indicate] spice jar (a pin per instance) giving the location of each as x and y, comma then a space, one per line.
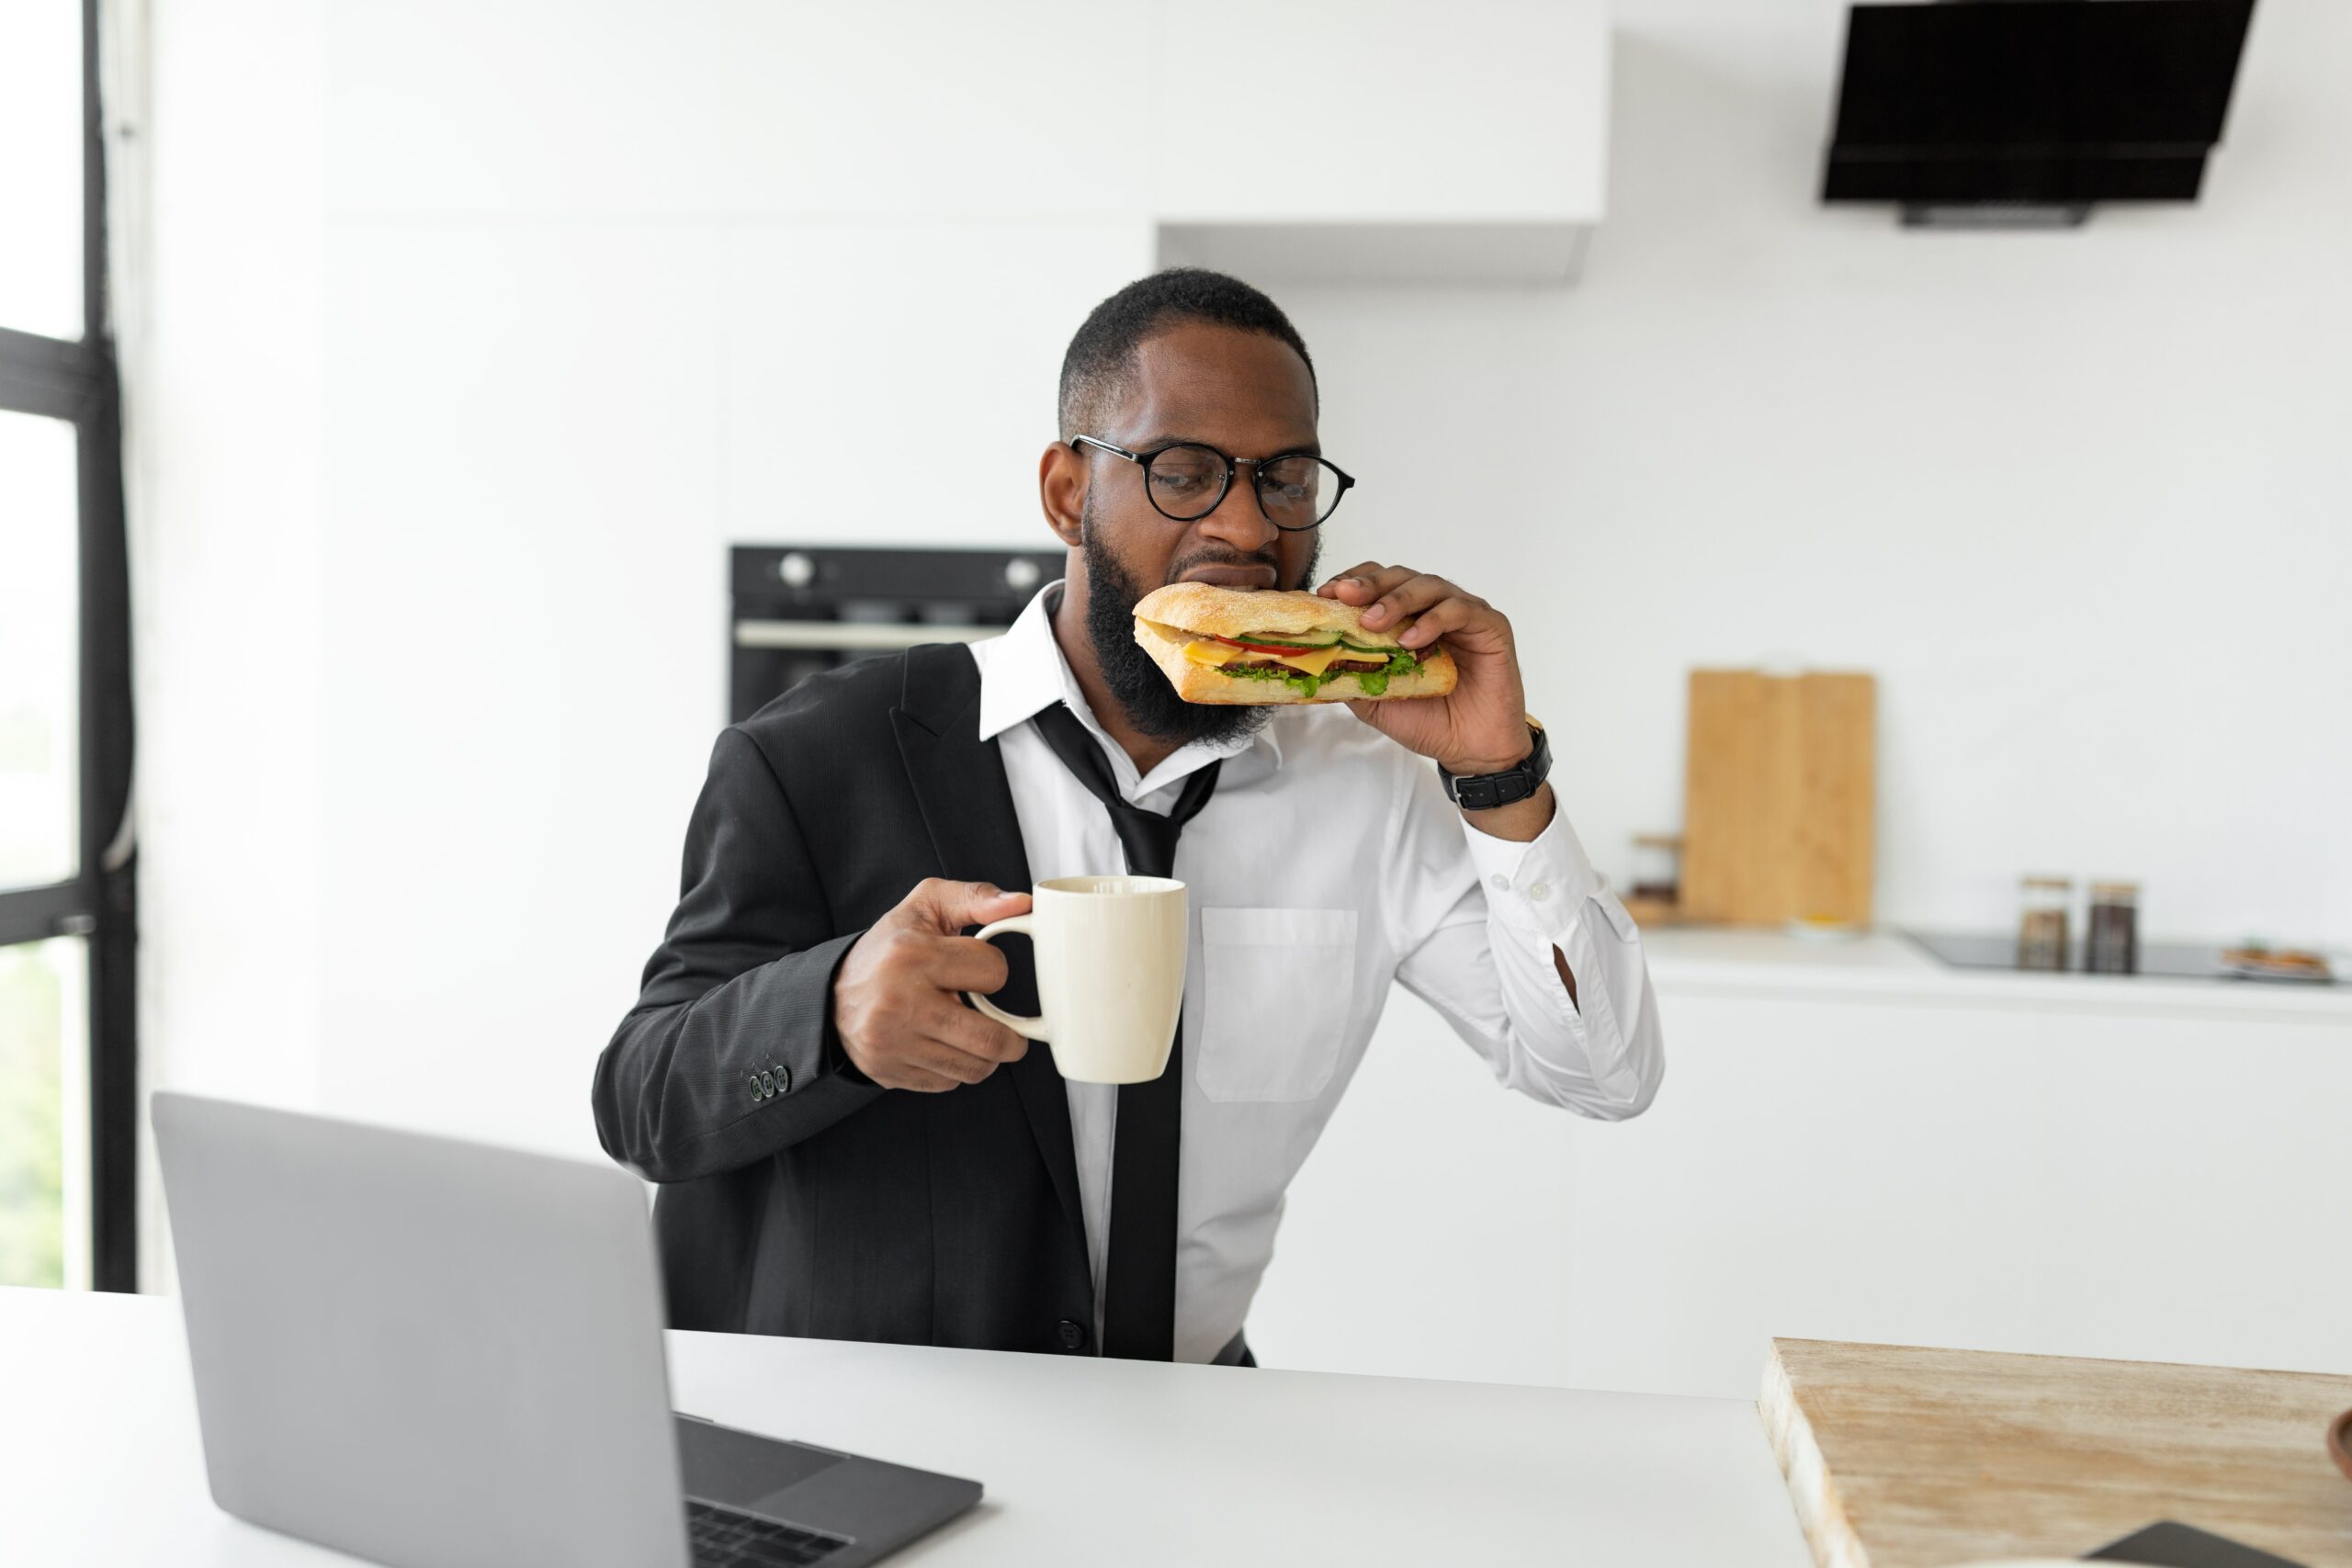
2041, 929
2111, 941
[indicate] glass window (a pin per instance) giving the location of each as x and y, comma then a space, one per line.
68, 1198
40, 167
44, 1113
39, 738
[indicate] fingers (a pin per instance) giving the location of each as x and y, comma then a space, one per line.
907, 1076
956, 1048
1365, 582
1400, 602
1393, 596
965, 964
897, 1001
1460, 612
942, 1045
947, 907
984, 1040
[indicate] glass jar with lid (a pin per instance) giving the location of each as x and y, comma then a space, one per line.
2042, 927
2111, 936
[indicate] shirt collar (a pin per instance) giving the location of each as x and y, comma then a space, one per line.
1023, 671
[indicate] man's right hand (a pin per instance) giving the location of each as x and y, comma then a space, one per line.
897, 1001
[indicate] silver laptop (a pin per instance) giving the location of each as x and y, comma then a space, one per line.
434, 1353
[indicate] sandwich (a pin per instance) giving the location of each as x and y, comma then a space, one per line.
1236, 644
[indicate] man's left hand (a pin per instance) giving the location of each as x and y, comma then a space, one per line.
1481, 726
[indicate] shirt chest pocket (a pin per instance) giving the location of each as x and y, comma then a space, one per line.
1277, 988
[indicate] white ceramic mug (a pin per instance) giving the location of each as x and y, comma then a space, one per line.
1109, 974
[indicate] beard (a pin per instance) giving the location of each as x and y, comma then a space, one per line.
1141, 689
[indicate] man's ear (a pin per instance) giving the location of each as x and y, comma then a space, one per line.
1061, 490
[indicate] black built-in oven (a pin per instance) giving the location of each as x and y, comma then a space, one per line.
802, 608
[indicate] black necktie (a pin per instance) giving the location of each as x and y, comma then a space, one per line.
1139, 1275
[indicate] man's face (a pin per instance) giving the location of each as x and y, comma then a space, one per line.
1243, 393
1248, 396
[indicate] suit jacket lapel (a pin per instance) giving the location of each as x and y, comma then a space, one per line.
966, 804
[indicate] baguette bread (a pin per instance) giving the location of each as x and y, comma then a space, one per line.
1170, 618
1205, 610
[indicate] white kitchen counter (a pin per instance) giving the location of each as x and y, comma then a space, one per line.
1853, 1141
1884, 966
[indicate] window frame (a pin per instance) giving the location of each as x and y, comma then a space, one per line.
78, 381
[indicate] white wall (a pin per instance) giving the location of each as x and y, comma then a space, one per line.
478, 331
223, 316
2078, 498
478, 334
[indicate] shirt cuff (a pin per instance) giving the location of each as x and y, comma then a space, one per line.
1540, 885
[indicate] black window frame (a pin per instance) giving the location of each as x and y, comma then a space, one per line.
78, 381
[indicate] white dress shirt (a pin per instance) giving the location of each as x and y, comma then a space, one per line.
1329, 864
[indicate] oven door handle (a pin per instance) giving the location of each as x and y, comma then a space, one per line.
846, 634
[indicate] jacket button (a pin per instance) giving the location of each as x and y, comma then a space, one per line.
1073, 1334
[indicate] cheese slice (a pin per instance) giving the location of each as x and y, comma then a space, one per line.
1307, 661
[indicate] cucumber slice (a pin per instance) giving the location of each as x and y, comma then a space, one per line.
1314, 647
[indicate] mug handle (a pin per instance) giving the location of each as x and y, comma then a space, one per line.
1028, 1028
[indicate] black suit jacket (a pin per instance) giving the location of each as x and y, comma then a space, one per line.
835, 1208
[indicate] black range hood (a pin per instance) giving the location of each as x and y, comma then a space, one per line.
1974, 112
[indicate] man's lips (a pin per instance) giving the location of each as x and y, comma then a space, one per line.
1260, 575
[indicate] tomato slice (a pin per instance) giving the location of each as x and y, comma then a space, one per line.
1261, 646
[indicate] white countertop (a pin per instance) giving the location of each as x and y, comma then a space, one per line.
1882, 966
1085, 1461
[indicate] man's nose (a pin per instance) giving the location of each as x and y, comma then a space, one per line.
1239, 522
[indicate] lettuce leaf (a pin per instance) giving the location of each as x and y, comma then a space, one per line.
1371, 682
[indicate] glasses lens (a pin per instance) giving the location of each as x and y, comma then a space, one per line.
1299, 491
1186, 482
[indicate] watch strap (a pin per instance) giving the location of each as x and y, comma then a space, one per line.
1485, 792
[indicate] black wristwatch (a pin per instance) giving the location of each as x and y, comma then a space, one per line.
1483, 792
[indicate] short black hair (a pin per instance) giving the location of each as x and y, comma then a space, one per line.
1101, 357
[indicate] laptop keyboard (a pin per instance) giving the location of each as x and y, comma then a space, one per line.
723, 1538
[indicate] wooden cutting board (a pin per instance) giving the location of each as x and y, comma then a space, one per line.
1905, 1457
1780, 797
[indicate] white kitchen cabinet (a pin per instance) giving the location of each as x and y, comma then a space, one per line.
1852, 1144
1314, 140
1347, 141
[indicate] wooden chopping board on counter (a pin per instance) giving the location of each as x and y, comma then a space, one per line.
1779, 809
1905, 1457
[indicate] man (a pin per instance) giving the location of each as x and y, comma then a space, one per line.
849, 1151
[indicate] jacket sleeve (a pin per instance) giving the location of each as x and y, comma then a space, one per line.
730, 1054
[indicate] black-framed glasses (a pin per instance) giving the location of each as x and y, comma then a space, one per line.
1186, 480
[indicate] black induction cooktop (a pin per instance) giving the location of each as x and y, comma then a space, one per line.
1993, 950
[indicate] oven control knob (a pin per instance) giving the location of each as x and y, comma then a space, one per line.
797, 570
1021, 573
